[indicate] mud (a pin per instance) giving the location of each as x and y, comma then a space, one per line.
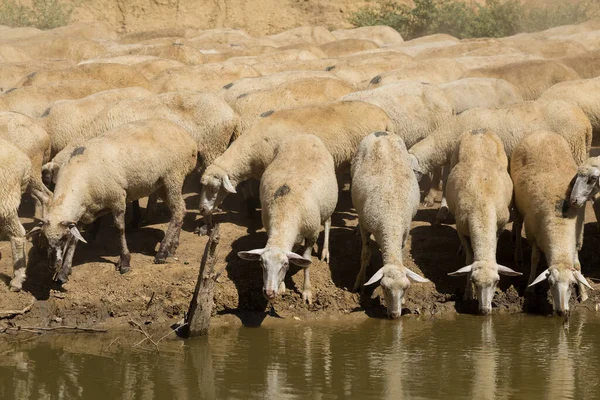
97, 295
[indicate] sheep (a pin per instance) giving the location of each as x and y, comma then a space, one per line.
385, 194
68, 120
207, 118
33, 101
296, 93
416, 108
303, 34
320, 64
360, 68
233, 90
542, 170
546, 48
290, 55
47, 45
15, 173
172, 51
340, 125
466, 47
586, 186
298, 193
434, 71
583, 92
114, 75
202, 78
381, 34
29, 137
132, 162
479, 193
11, 73
587, 65
347, 46
532, 78
480, 92
510, 122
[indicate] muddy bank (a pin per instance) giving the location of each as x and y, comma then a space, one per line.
98, 296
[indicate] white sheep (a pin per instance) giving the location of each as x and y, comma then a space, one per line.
479, 195
480, 92
298, 192
385, 194
510, 122
542, 170
131, 162
341, 125
28, 136
15, 173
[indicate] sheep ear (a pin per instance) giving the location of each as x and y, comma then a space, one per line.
252, 255
541, 277
298, 259
413, 276
502, 270
579, 277
227, 184
376, 277
462, 271
75, 232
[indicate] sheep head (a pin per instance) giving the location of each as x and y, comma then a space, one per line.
561, 278
586, 183
216, 185
485, 276
395, 281
275, 264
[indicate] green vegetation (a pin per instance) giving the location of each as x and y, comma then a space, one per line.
42, 14
462, 19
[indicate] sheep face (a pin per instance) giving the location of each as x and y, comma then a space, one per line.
394, 284
275, 264
561, 278
485, 276
586, 185
61, 237
395, 281
215, 187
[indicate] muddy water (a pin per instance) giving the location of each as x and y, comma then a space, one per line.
465, 357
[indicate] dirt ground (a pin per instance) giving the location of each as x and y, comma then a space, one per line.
98, 296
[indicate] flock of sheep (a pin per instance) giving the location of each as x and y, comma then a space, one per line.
91, 121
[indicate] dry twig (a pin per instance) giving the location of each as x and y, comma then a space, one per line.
12, 313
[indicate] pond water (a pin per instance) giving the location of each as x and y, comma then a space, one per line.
461, 357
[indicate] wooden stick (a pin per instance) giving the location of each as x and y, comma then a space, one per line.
143, 331
12, 313
37, 329
197, 320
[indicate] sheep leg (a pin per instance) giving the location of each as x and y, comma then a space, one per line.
443, 212
466, 244
176, 204
434, 189
596, 207
306, 288
136, 220
516, 233
365, 258
124, 261
42, 194
325, 250
16, 233
535, 259
151, 207
583, 294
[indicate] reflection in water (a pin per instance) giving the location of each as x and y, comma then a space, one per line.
465, 357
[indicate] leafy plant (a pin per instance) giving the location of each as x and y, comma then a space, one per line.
494, 18
42, 14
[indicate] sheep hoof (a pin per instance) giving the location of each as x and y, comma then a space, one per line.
307, 296
160, 260
201, 230
15, 286
123, 264
428, 201
325, 256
